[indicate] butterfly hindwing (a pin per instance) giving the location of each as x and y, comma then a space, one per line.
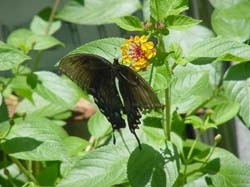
137, 95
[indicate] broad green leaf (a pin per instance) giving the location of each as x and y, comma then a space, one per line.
39, 26
158, 9
148, 167
10, 57
74, 145
232, 172
97, 12
195, 121
35, 139
235, 29
47, 176
129, 23
224, 112
190, 88
40, 107
20, 86
224, 4
98, 125
52, 88
180, 22
44, 42
238, 11
104, 167
4, 114
188, 37
216, 47
4, 119
237, 87
154, 136
108, 48
22, 39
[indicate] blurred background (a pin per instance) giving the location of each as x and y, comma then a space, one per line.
15, 14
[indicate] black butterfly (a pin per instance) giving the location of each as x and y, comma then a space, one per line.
98, 77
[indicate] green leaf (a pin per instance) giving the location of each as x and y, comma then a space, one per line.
190, 88
158, 9
102, 167
232, 171
10, 57
180, 22
237, 86
188, 37
22, 39
216, 47
48, 175
147, 167
97, 12
4, 114
238, 11
224, 112
129, 23
40, 107
235, 29
39, 25
108, 48
4, 120
35, 139
44, 42
75, 145
20, 86
224, 4
195, 121
98, 125
52, 88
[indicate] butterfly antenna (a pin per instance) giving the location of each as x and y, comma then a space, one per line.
138, 140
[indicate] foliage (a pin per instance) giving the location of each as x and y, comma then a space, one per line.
185, 73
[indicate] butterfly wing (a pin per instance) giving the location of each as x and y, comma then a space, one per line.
94, 74
137, 95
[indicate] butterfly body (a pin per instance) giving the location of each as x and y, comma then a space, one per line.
98, 77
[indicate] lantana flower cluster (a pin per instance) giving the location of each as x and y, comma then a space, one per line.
137, 51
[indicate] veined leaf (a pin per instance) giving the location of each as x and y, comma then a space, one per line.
129, 23
104, 167
10, 57
237, 87
180, 22
97, 12
216, 47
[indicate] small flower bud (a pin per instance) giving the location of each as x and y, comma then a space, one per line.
11, 122
217, 139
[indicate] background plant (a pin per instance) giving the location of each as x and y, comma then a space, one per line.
187, 76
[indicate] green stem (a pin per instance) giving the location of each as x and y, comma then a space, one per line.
38, 59
23, 170
46, 32
191, 151
52, 16
151, 75
194, 144
168, 115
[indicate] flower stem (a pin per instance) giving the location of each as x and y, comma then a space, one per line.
168, 116
23, 170
46, 32
168, 113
